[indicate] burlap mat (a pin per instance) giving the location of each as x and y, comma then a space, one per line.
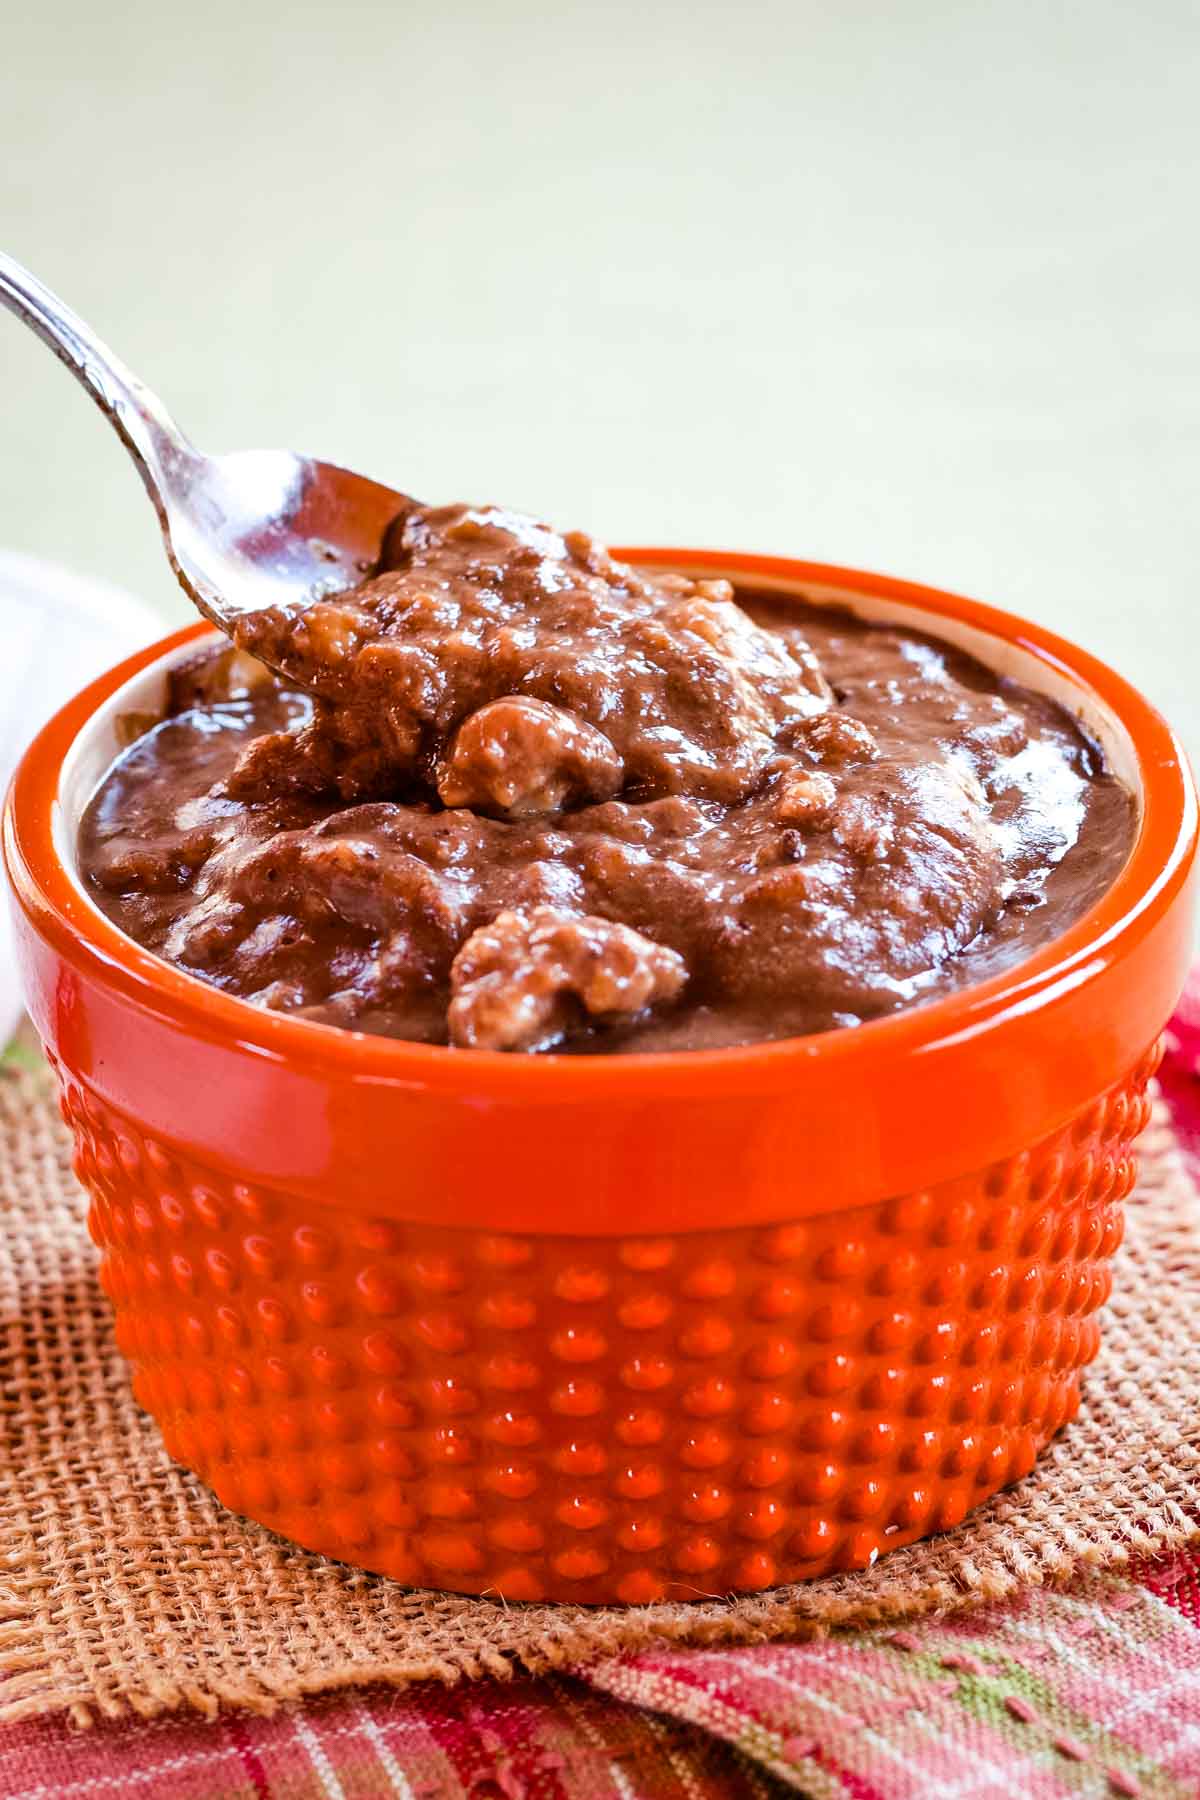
124, 1585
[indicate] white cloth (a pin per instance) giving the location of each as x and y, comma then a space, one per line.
59, 631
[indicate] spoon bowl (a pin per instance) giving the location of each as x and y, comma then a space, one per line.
257, 528
246, 530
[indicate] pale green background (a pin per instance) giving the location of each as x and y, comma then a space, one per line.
914, 286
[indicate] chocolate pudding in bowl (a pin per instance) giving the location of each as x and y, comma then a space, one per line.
512, 794
560, 1128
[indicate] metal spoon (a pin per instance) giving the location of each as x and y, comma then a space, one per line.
243, 531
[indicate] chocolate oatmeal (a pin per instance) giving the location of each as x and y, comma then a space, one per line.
513, 795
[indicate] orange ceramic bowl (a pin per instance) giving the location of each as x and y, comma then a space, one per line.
611, 1329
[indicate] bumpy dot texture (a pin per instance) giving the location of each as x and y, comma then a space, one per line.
592, 1419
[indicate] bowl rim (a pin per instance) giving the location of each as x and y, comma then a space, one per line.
1151, 880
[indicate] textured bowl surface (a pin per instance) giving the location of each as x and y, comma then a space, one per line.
598, 1328
638, 1417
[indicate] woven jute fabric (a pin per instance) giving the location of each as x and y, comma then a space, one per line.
125, 1586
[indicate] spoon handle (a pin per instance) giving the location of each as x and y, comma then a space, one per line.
162, 454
